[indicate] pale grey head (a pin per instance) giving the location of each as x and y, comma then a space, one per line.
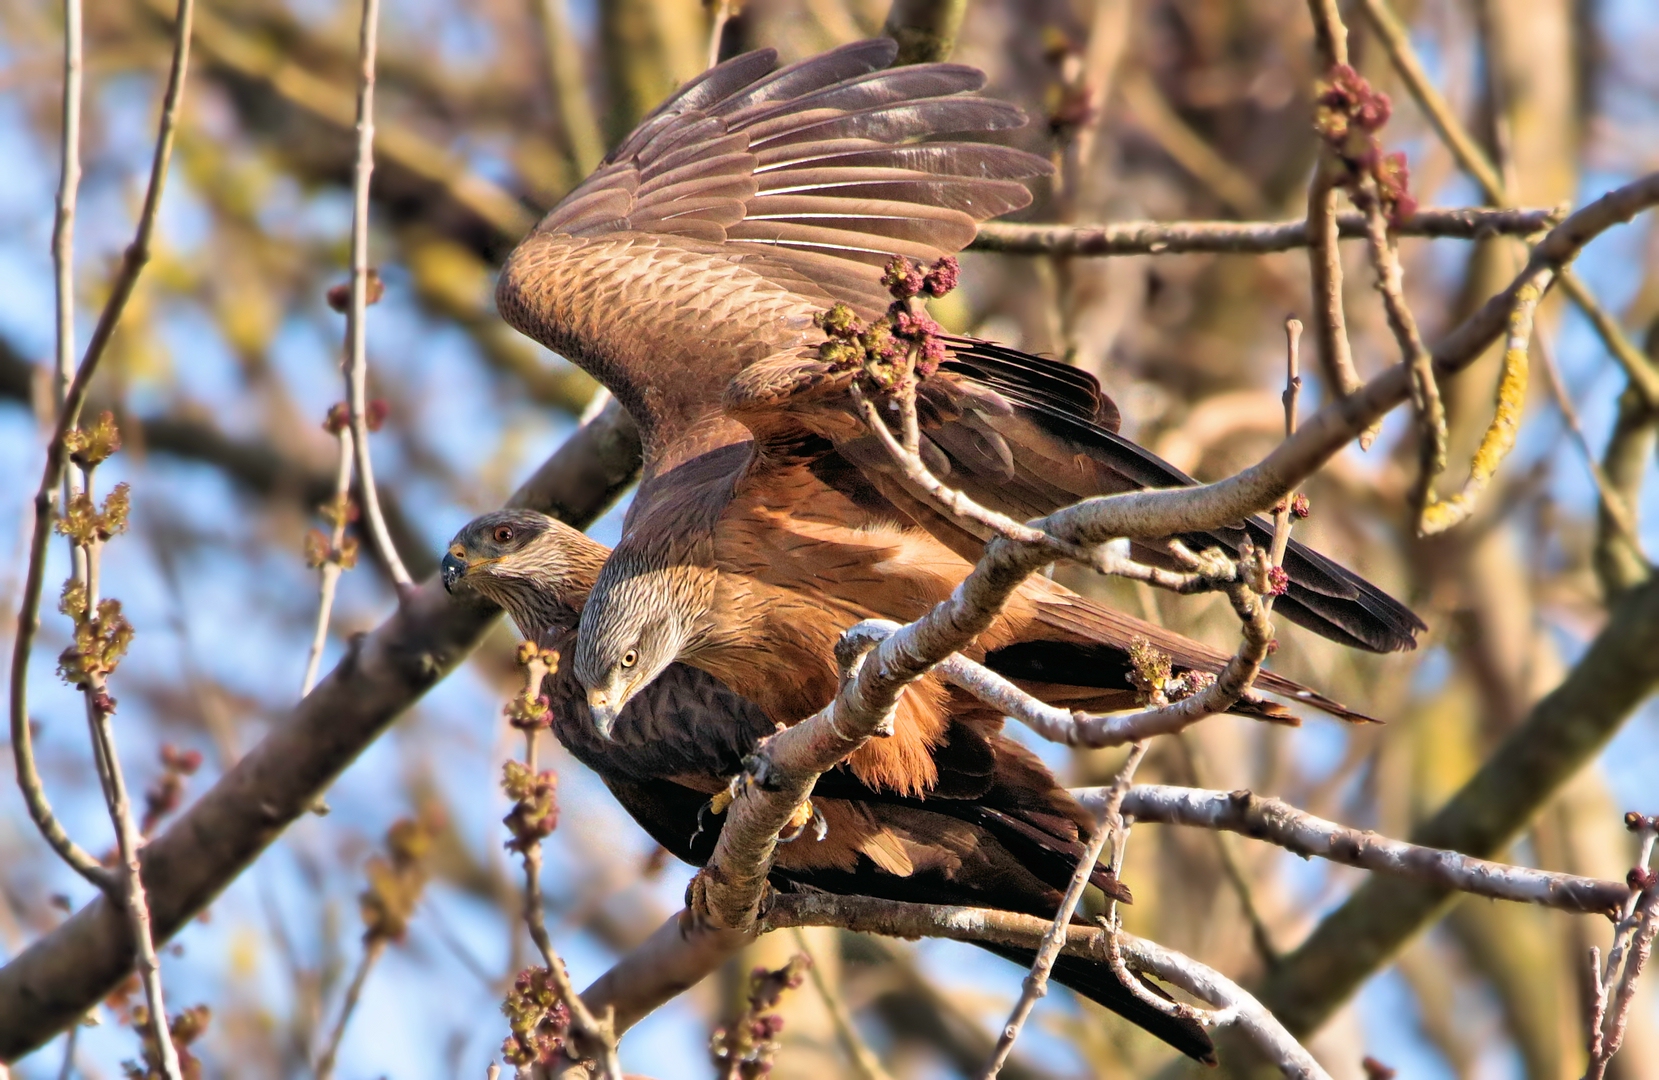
639, 619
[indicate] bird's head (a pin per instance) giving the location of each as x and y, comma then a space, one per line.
638, 620
538, 568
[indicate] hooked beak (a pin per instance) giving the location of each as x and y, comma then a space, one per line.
604, 713
453, 568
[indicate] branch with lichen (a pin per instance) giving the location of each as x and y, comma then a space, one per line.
545, 1014
1438, 515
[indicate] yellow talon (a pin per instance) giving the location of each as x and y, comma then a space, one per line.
801, 818
724, 797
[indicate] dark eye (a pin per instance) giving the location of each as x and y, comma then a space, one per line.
630, 658
503, 533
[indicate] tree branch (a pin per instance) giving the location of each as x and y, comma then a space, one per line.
1306, 835
1565, 730
1246, 237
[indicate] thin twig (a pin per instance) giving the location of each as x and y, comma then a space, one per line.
63, 266
721, 13
1260, 936
1284, 511
1246, 237
331, 568
357, 364
1190, 150
132, 263
1035, 985
1429, 410
591, 1036
95, 664
372, 948
1330, 321
1613, 988
63, 233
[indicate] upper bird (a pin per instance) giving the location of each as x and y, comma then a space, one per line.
686, 274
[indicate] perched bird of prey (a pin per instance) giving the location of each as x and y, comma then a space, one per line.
995, 830
686, 273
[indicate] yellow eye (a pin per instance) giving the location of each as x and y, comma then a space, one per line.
630, 658
503, 533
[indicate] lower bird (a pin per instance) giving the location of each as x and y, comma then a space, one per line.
994, 829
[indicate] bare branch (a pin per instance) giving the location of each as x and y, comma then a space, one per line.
357, 360
73, 397
1245, 237
893, 919
1330, 321
1076, 728
1618, 671
332, 561
1632, 946
1425, 392
1306, 835
1035, 985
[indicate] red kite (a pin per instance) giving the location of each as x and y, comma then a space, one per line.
996, 830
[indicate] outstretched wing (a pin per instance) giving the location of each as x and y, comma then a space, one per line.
1025, 436
749, 200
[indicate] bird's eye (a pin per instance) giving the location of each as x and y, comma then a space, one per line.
503, 533
630, 658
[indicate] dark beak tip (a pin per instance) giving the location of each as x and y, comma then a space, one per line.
450, 571
604, 719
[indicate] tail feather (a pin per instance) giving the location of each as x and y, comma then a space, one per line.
1061, 434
